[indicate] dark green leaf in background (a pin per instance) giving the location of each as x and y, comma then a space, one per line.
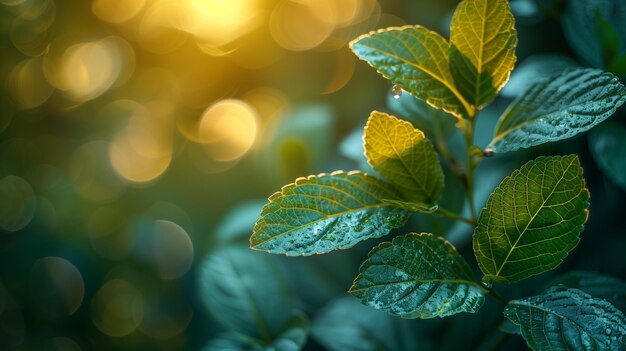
483, 39
417, 276
568, 319
607, 144
417, 60
597, 285
346, 324
557, 108
322, 213
247, 292
532, 220
402, 155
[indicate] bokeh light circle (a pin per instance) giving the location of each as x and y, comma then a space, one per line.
17, 203
117, 309
56, 287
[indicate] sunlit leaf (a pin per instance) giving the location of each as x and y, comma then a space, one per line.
532, 220
246, 291
292, 338
417, 276
597, 285
608, 147
568, 319
403, 156
483, 39
348, 325
327, 212
558, 108
417, 60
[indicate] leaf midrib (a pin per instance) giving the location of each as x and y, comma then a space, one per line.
521, 234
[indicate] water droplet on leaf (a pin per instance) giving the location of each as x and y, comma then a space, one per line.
488, 152
396, 91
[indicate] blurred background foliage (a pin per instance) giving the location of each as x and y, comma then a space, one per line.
140, 138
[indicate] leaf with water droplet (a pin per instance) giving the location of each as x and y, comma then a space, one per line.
557, 108
568, 319
396, 91
483, 39
316, 208
417, 60
532, 220
417, 276
597, 285
403, 156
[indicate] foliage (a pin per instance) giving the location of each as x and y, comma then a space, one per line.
530, 222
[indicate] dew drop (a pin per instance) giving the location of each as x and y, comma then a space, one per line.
396, 92
608, 331
488, 152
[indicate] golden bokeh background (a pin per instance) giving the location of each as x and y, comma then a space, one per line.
130, 128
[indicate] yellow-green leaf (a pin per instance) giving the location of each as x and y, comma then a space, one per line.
403, 156
483, 39
532, 220
417, 60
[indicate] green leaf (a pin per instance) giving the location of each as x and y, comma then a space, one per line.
568, 319
403, 156
327, 212
246, 291
412, 206
417, 276
557, 108
417, 60
483, 39
608, 147
597, 285
532, 220
345, 324
293, 337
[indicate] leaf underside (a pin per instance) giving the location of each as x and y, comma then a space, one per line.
532, 220
404, 157
327, 212
417, 60
557, 108
417, 276
568, 319
483, 39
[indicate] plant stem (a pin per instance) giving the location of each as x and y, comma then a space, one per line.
443, 212
497, 296
469, 181
501, 340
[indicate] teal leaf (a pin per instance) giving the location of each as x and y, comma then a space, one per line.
293, 337
607, 144
557, 108
327, 212
346, 324
568, 319
236, 224
483, 38
403, 156
533, 68
246, 291
417, 60
417, 276
532, 220
597, 285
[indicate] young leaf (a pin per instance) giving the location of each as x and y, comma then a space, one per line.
417, 276
417, 60
327, 212
532, 220
568, 319
608, 147
483, 39
246, 291
403, 155
557, 108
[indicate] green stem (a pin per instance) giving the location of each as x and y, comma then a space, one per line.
501, 340
497, 296
469, 178
443, 212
